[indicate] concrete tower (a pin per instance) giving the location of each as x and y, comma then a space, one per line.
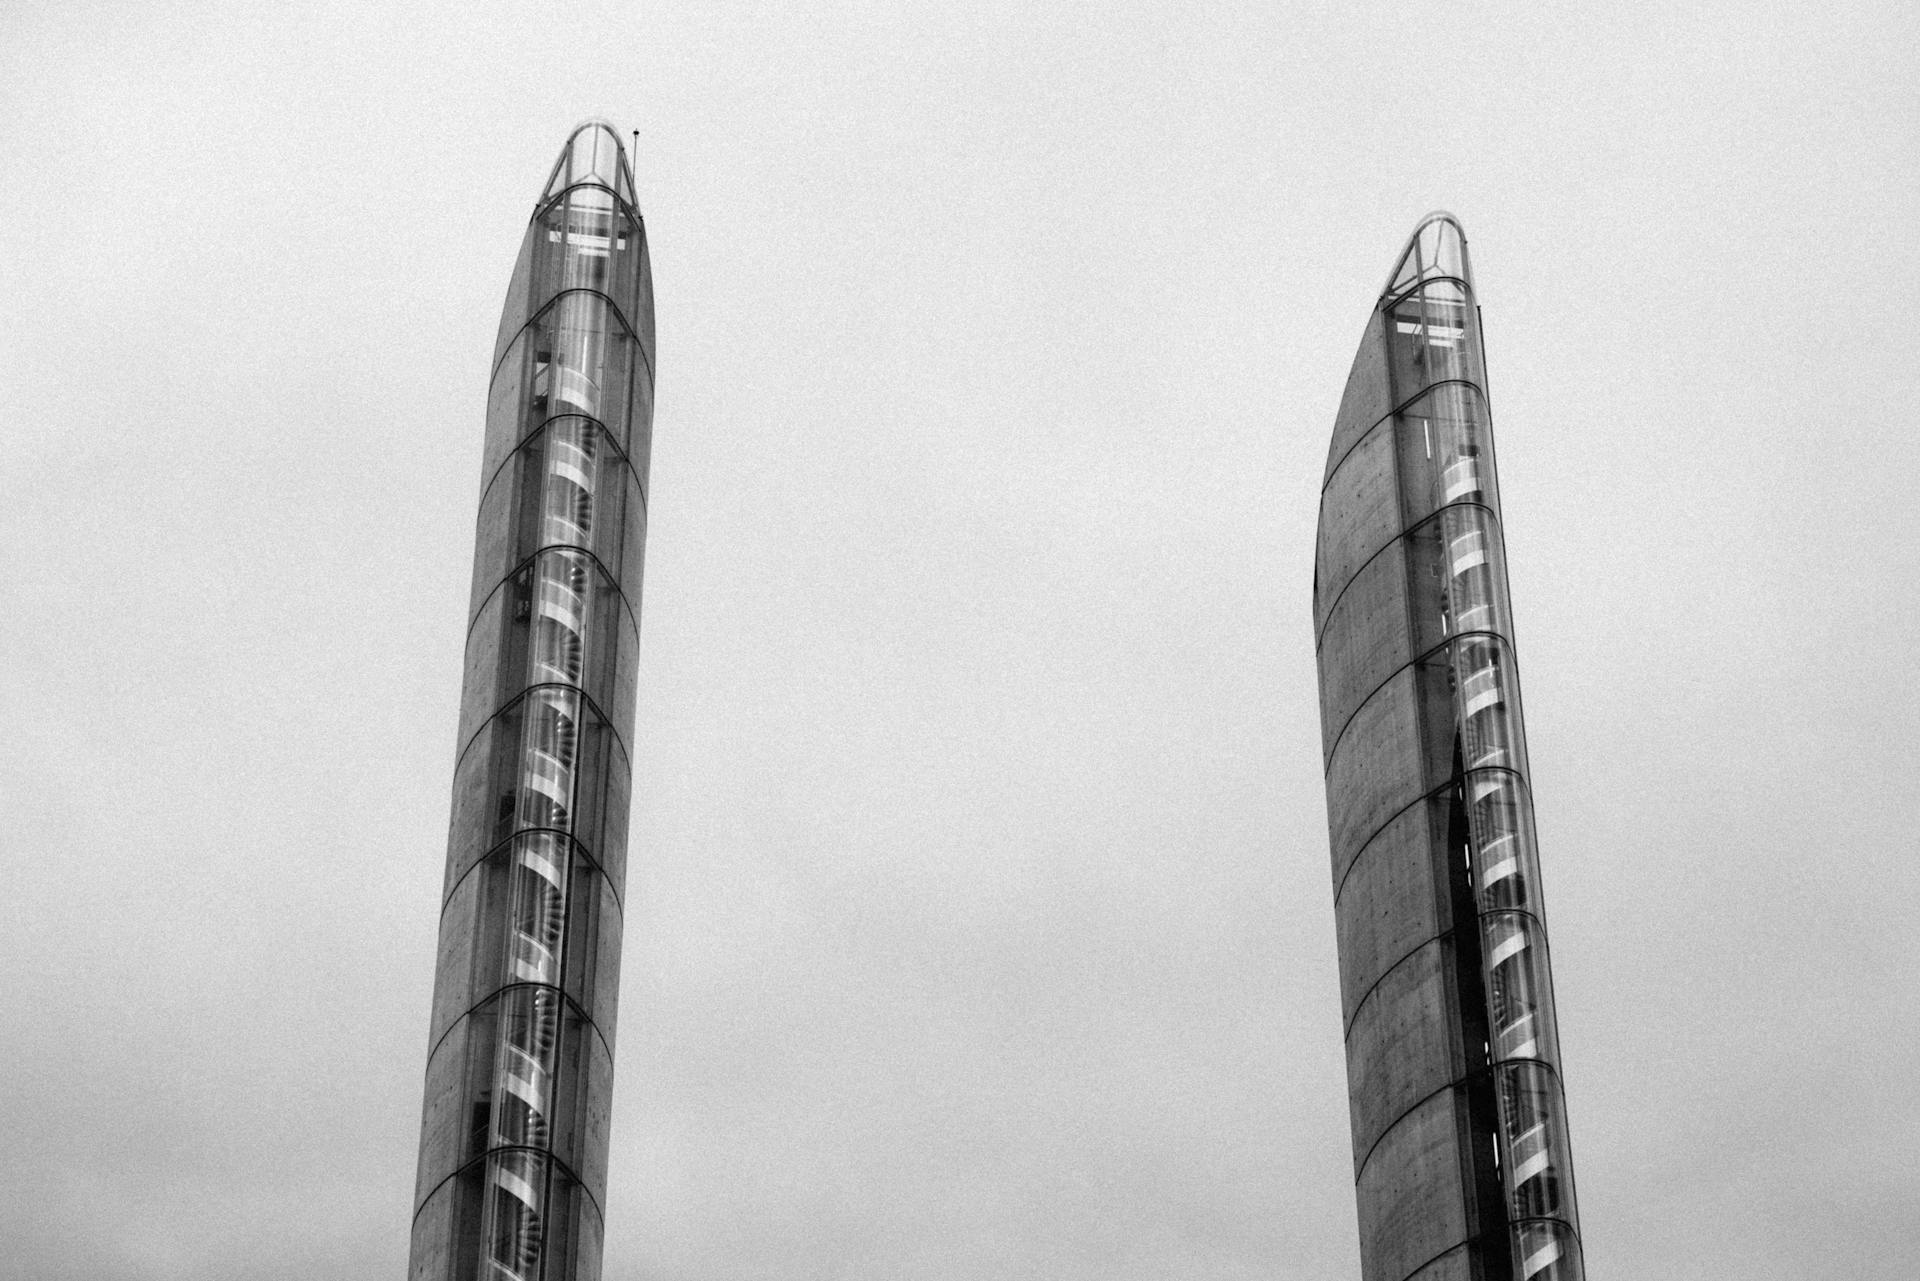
513, 1144
1461, 1160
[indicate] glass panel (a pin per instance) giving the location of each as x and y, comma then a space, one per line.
1432, 337
1520, 1022
549, 751
575, 492
570, 475
537, 907
1473, 577
1534, 1157
588, 219
1463, 470
515, 1232
1487, 694
1546, 1252
1438, 247
1506, 859
573, 1231
516, 775
1456, 576
1446, 451
579, 331
523, 1068
577, 353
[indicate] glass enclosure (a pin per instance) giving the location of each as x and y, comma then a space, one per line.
511, 1179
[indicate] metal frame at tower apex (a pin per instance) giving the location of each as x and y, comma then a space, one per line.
1462, 1166
511, 1184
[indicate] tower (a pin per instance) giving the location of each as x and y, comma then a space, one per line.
513, 1146
1461, 1159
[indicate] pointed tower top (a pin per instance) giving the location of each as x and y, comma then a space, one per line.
593, 154
1436, 250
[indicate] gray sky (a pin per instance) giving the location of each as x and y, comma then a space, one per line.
980, 921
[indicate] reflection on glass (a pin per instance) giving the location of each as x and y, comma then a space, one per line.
1489, 709
1533, 1143
1446, 449
1519, 993
1505, 860
1470, 599
560, 612
568, 503
516, 1230
539, 907
1461, 478
1430, 334
1546, 1252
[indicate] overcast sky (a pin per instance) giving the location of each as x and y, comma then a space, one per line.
980, 922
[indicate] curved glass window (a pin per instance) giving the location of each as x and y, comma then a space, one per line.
1506, 860
580, 355
1473, 593
1487, 694
538, 907
561, 602
515, 1230
1446, 451
1546, 1252
587, 239
586, 226
1520, 1022
1432, 337
574, 488
546, 764
570, 481
1534, 1157
1457, 576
